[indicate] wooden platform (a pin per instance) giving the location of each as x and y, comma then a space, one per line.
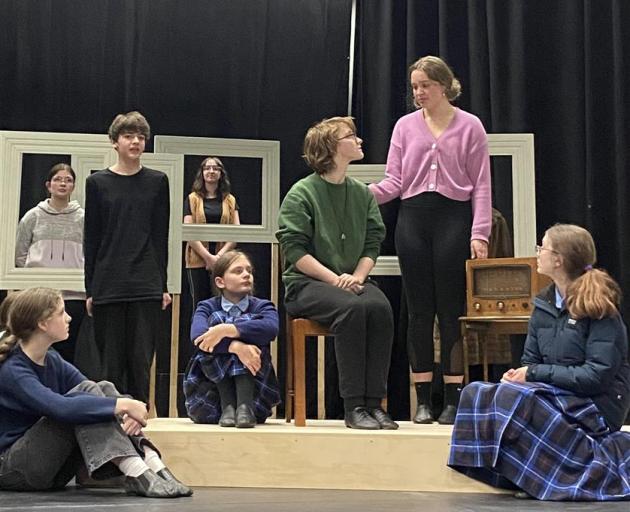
323, 455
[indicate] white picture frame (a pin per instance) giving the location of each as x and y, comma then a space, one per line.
87, 151
266, 150
518, 146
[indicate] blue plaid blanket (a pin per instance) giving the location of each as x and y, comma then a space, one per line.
204, 370
203, 403
542, 439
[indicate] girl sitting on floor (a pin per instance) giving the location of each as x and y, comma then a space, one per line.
53, 420
551, 428
230, 379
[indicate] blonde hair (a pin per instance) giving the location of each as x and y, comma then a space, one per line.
26, 309
320, 143
439, 71
224, 263
592, 293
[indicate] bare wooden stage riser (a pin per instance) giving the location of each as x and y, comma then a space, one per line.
322, 455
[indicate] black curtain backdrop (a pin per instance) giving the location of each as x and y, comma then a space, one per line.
264, 69
557, 69
267, 69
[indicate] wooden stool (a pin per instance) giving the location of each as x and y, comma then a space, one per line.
298, 329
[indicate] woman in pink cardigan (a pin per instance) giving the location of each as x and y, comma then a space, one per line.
438, 165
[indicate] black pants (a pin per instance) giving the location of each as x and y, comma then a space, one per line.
48, 455
76, 309
125, 335
199, 284
363, 326
433, 243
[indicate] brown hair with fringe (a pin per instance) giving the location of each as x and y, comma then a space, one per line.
224, 263
593, 293
131, 122
24, 312
320, 143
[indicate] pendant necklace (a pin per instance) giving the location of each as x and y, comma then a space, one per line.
341, 224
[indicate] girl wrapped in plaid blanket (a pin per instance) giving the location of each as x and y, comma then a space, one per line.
552, 427
230, 379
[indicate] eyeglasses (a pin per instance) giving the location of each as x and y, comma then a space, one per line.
61, 179
541, 248
212, 168
349, 136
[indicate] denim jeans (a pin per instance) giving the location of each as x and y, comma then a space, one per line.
48, 455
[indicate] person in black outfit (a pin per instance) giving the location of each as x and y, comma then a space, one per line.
126, 250
209, 202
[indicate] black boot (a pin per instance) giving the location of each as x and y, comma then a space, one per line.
451, 401
423, 411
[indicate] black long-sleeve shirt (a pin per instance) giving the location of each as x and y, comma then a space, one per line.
126, 235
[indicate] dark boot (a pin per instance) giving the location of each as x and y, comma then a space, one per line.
150, 485
451, 401
228, 416
423, 412
181, 488
360, 418
245, 417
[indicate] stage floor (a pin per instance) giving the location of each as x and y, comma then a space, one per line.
287, 500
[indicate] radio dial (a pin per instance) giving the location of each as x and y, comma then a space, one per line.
477, 306
500, 305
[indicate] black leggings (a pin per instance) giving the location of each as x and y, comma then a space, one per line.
433, 243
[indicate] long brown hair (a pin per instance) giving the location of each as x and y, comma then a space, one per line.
592, 293
223, 187
24, 312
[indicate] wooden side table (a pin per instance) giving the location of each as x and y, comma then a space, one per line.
483, 325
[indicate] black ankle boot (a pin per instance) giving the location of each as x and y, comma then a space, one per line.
423, 412
451, 401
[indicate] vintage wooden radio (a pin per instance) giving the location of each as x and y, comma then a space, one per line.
502, 286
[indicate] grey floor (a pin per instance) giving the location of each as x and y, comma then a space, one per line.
285, 500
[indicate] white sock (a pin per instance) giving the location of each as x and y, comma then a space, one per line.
132, 466
152, 459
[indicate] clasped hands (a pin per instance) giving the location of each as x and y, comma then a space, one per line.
247, 354
515, 375
350, 283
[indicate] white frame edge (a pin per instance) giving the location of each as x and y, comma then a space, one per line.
267, 150
85, 151
519, 146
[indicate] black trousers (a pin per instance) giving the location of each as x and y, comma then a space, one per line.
199, 284
363, 326
433, 243
125, 335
